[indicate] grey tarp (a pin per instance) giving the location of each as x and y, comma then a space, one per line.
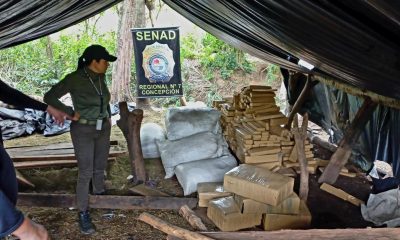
24, 20
354, 42
357, 41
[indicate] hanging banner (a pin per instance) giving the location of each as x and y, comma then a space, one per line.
157, 58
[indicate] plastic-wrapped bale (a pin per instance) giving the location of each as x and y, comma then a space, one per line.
226, 215
208, 191
258, 184
274, 221
290, 205
149, 134
197, 147
210, 170
185, 121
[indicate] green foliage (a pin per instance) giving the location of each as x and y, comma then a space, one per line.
35, 66
273, 74
212, 95
190, 47
223, 58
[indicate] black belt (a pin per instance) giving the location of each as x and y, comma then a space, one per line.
89, 122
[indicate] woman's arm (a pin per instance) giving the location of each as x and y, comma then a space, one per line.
56, 92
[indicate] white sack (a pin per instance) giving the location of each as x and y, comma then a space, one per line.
149, 134
209, 170
185, 121
383, 208
196, 147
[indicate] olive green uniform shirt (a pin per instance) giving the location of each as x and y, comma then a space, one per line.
85, 99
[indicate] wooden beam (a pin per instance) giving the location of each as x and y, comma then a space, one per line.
341, 194
359, 92
22, 179
147, 191
64, 145
300, 135
182, 100
343, 152
57, 157
104, 201
48, 163
171, 229
299, 102
312, 234
130, 123
324, 144
192, 218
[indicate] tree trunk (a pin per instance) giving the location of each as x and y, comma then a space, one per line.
300, 135
120, 88
50, 55
140, 12
130, 123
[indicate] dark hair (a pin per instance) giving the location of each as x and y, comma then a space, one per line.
94, 52
85, 61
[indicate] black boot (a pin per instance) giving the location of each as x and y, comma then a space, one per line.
85, 223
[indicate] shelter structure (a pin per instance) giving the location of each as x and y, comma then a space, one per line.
351, 89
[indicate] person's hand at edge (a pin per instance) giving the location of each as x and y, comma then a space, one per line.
30, 230
58, 116
75, 117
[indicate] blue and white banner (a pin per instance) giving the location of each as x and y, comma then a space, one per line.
157, 57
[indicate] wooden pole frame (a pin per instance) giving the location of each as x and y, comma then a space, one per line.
130, 123
343, 152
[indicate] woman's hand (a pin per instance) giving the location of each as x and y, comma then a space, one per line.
58, 116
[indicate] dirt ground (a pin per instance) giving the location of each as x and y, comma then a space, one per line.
327, 210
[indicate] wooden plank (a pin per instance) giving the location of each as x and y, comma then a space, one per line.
264, 151
278, 121
148, 191
265, 87
104, 201
59, 157
268, 116
312, 234
22, 179
171, 229
41, 152
44, 164
48, 146
343, 173
341, 194
262, 158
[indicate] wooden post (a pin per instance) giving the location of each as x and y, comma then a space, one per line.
299, 102
171, 229
321, 143
300, 135
343, 152
22, 179
130, 123
192, 218
182, 100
